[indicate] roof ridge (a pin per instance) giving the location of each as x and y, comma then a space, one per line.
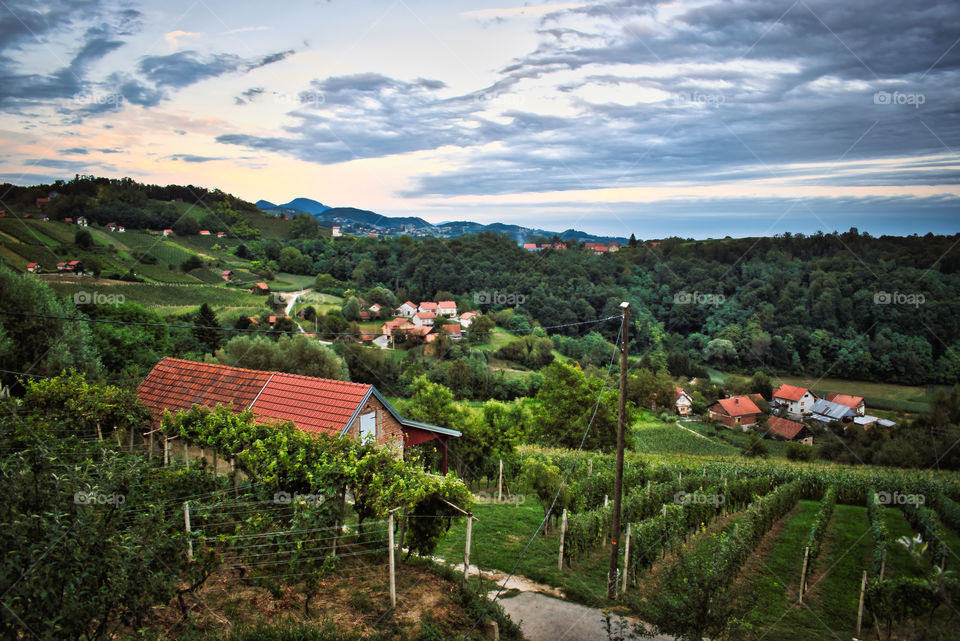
271, 373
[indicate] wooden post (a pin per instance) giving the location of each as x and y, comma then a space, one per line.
606, 504
803, 572
131, 440
863, 588
186, 523
393, 575
563, 533
590, 467
236, 479
621, 444
214, 456
99, 433
186, 454
626, 561
166, 451
150, 448
500, 483
466, 551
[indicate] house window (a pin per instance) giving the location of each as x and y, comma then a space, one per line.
368, 425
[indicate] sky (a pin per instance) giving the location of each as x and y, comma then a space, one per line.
695, 119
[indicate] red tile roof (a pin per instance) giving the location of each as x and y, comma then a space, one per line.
845, 399
784, 427
261, 286
313, 404
423, 315
428, 305
738, 406
447, 304
790, 393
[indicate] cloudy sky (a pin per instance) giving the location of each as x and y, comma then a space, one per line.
698, 119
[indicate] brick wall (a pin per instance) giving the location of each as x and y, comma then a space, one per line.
389, 430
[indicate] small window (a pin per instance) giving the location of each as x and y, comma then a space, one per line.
368, 426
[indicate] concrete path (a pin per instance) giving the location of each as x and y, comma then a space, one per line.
544, 618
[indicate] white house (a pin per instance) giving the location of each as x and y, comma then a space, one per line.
684, 402
796, 400
336, 231
466, 318
427, 306
447, 308
407, 310
424, 319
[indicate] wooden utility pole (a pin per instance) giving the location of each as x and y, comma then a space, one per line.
393, 575
621, 436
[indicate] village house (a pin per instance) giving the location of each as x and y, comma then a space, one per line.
855, 403
226, 274
868, 421
221, 234
112, 226
453, 331
82, 221
204, 232
313, 405
33, 268
795, 400
395, 325
407, 310
121, 229
424, 319
167, 232
336, 231
738, 411
466, 318
826, 412
427, 306
260, 288
531, 247
790, 430
375, 310
684, 402
447, 308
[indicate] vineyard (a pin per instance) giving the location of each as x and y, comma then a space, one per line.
732, 549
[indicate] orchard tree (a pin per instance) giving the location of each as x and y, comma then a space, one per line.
206, 328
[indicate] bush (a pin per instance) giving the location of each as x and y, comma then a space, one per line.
799, 452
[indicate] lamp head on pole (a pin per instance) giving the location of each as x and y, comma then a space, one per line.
624, 305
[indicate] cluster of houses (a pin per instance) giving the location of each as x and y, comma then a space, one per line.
423, 322
597, 248
792, 408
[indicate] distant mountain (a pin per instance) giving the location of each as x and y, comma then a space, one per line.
306, 205
356, 220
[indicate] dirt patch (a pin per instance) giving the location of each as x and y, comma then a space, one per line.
356, 599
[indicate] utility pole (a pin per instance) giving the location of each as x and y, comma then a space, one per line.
621, 436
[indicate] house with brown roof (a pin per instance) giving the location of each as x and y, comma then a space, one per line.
260, 288
467, 317
790, 430
313, 405
684, 402
855, 403
739, 411
428, 306
796, 400
424, 319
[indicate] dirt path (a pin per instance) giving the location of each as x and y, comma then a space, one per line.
692, 432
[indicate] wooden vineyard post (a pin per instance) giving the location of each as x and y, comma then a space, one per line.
563, 534
803, 572
606, 504
166, 451
626, 561
236, 478
186, 525
150, 448
500, 483
863, 588
393, 571
214, 456
131, 440
466, 551
186, 454
590, 467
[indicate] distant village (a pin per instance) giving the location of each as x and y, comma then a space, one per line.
793, 412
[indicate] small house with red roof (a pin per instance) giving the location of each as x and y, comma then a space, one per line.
260, 288
407, 310
447, 308
33, 268
531, 247
796, 400
226, 274
467, 317
424, 319
738, 411
427, 306
221, 234
790, 430
855, 403
204, 232
167, 232
313, 405
397, 324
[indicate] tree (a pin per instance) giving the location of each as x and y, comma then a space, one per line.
35, 336
480, 328
83, 239
206, 328
296, 354
566, 404
186, 226
304, 226
351, 309
191, 263
720, 351
93, 266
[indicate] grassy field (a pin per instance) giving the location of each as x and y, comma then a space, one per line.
499, 537
652, 436
161, 296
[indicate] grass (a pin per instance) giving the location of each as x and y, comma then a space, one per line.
772, 577
830, 605
499, 537
159, 296
652, 436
